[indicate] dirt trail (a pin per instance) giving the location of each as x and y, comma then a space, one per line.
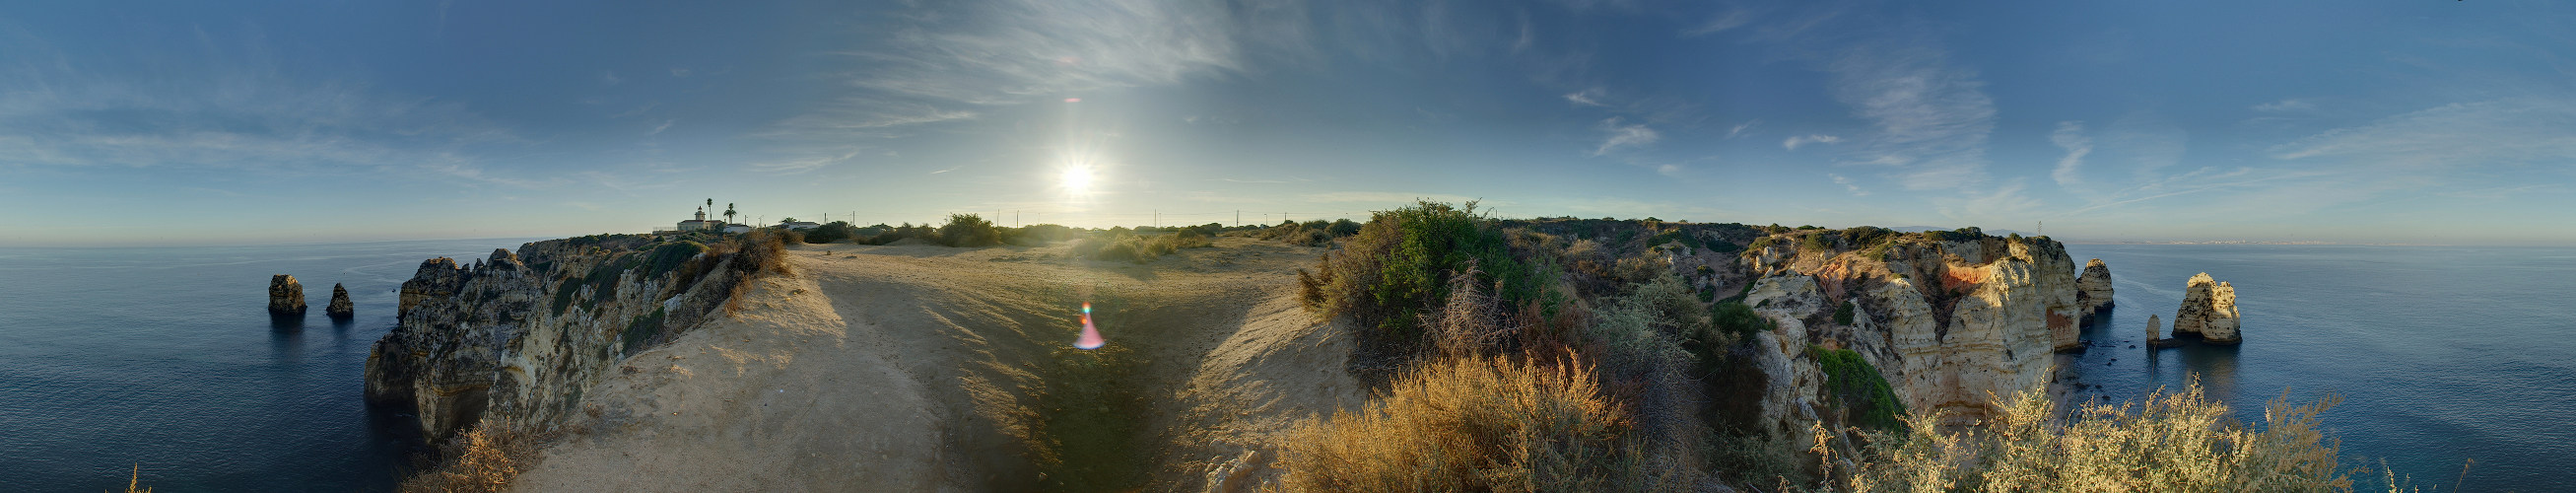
920, 368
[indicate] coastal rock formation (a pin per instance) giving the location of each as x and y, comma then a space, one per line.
285, 296
2093, 289
1947, 320
523, 334
340, 308
2155, 330
2208, 311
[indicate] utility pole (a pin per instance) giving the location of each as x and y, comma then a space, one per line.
1015, 218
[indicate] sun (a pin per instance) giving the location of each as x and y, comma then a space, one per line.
1077, 179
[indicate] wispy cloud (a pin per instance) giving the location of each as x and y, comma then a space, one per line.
2500, 132
1797, 141
1730, 19
2070, 136
1624, 135
1586, 97
2286, 106
1740, 128
1847, 184
231, 110
666, 125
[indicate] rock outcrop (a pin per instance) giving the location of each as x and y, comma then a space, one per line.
523, 334
2093, 289
285, 296
2155, 330
1946, 321
2208, 311
340, 308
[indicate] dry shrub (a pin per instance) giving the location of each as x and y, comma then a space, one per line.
2169, 442
134, 481
1473, 424
484, 459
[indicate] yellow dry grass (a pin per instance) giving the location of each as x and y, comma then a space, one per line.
1471, 424
484, 459
2177, 441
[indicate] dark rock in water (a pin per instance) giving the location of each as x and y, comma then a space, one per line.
285, 296
340, 307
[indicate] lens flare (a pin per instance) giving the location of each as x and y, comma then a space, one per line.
1090, 338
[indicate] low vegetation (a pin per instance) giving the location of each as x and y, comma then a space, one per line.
1567, 355
2169, 441
1475, 424
1130, 247
484, 459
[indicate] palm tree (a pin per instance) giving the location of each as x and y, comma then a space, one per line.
728, 212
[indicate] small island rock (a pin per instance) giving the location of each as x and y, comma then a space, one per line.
2209, 311
2155, 329
2093, 288
285, 296
340, 307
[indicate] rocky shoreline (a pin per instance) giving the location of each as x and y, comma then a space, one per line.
522, 334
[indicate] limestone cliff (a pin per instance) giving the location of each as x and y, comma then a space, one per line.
1946, 318
285, 296
2093, 289
524, 334
2208, 311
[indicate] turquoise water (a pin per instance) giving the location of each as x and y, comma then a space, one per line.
166, 358
2440, 353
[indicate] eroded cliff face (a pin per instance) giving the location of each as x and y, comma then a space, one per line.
523, 334
1947, 321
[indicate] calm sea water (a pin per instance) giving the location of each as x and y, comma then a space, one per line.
2441, 354
166, 358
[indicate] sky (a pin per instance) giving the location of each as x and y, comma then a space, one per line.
173, 123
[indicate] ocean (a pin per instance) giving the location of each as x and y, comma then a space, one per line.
2440, 354
166, 359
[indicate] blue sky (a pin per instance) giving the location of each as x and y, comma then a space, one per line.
125, 123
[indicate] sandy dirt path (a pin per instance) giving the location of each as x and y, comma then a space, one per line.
924, 368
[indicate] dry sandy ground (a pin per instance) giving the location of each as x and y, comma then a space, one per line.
918, 368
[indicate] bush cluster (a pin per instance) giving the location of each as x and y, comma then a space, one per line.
1863, 395
1311, 233
969, 230
1399, 265
1475, 424
1120, 244
2176, 441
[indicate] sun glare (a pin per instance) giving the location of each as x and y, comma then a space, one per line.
1077, 179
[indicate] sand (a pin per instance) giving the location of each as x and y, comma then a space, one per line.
925, 368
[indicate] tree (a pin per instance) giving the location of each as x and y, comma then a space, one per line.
728, 211
787, 220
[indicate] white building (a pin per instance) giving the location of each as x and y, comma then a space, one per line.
701, 223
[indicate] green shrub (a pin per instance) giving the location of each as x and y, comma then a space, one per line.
969, 230
1735, 319
671, 256
1038, 234
1400, 263
832, 232
1864, 395
1843, 314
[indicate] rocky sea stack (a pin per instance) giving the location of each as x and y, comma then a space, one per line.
2208, 310
2093, 289
340, 308
285, 296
